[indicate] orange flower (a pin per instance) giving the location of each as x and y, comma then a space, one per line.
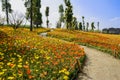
30, 76
11, 65
28, 71
26, 66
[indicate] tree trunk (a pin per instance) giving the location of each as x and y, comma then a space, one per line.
31, 26
37, 25
6, 3
47, 22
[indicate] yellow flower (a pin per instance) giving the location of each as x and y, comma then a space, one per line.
8, 63
20, 60
65, 77
26, 62
47, 57
13, 66
4, 70
1, 73
14, 74
1, 63
19, 66
36, 70
1, 66
20, 74
14, 53
67, 73
19, 56
36, 57
63, 71
11, 78
1, 54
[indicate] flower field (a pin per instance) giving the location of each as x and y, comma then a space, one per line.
25, 55
105, 42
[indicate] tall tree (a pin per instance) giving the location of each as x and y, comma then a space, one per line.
80, 25
37, 14
31, 14
74, 23
92, 26
68, 14
87, 25
33, 11
98, 24
61, 11
6, 7
47, 14
83, 22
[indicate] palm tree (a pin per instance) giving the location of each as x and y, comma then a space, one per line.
47, 14
6, 7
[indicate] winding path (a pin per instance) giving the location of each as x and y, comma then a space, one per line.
100, 66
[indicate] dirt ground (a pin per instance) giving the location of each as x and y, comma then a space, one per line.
100, 66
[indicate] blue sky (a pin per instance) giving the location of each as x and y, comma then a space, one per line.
105, 11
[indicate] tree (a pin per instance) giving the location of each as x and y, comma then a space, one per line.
37, 16
92, 26
33, 12
29, 12
98, 25
31, 16
74, 23
16, 20
6, 7
80, 25
83, 23
87, 26
68, 14
58, 25
61, 11
47, 14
